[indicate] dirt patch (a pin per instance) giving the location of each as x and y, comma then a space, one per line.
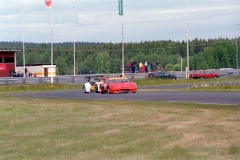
108, 132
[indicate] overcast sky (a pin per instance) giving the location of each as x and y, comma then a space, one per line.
98, 20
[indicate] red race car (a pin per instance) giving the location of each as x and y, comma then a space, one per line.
118, 85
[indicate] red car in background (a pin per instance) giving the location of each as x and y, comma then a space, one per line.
203, 74
118, 85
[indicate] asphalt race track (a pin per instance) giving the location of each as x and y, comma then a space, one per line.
223, 98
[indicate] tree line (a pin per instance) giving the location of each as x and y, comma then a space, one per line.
99, 57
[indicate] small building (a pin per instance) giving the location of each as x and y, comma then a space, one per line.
7, 62
42, 70
8, 66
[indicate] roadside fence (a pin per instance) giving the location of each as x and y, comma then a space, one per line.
79, 79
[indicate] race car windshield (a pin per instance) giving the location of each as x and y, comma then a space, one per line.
117, 80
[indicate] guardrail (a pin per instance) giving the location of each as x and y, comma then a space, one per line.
67, 79
79, 79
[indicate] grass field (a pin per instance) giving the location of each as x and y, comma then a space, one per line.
157, 81
34, 128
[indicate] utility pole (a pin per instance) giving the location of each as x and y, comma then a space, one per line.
236, 50
236, 53
74, 61
181, 63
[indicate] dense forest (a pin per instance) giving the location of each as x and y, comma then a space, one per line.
107, 57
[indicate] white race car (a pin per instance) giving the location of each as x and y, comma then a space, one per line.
93, 83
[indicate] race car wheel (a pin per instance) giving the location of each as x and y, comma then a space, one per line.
96, 88
102, 91
109, 90
84, 88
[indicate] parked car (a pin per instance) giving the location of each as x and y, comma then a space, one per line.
203, 74
163, 75
93, 83
118, 85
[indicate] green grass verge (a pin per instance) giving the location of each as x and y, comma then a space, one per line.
157, 81
38, 87
35, 128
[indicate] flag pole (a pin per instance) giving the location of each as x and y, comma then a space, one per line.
51, 51
49, 5
122, 48
120, 9
23, 44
